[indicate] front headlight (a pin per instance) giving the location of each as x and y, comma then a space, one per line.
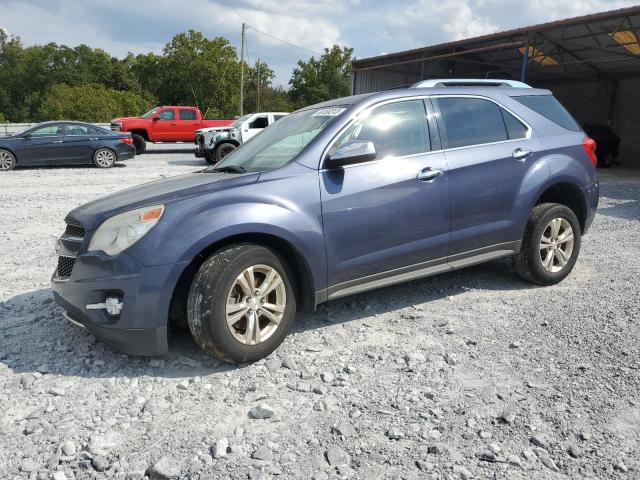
121, 231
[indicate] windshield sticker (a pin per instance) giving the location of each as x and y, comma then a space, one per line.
329, 112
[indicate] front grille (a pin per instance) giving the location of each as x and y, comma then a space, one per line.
115, 126
74, 231
65, 265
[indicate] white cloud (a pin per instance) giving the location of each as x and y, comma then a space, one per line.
450, 20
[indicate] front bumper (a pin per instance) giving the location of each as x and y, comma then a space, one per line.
141, 326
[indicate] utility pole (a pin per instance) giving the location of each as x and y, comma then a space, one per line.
258, 82
242, 68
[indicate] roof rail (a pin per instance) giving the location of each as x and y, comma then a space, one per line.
469, 82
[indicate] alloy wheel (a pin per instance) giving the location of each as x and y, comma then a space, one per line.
556, 245
256, 304
105, 158
6, 160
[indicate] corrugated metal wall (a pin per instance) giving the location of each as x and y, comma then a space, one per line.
367, 81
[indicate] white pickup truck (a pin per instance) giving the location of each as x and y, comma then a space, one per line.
215, 143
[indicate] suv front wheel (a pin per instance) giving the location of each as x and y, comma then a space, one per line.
550, 244
241, 304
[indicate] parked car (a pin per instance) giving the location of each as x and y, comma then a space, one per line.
215, 143
607, 141
164, 124
335, 199
63, 143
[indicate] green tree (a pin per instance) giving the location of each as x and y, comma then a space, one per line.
90, 103
202, 72
322, 79
259, 93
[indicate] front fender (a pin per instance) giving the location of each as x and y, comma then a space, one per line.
288, 210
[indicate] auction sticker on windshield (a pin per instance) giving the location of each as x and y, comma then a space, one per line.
329, 112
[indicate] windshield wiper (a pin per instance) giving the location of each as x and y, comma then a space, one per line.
228, 169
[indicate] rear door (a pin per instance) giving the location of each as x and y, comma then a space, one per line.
43, 145
188, 123
389, 216
79, 143
488, 150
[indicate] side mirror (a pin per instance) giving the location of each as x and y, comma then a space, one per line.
156, 118
26, 136
357, 151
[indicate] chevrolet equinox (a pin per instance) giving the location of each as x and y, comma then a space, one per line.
335, 199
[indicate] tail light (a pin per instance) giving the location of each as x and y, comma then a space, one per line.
127, 140
589, 145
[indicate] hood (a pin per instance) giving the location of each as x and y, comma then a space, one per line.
215, 129
92, 214
125, 119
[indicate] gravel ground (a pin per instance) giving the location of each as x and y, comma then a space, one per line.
472, 374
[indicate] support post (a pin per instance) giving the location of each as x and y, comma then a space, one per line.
525, 61
242, 68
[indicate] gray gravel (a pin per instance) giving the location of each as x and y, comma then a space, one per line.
472, 374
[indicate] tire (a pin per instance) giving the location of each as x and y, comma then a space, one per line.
210, 158
217, 286
104, 158
534, 263
223, 150
139, 142
7, 160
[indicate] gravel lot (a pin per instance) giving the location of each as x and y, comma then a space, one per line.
472, 374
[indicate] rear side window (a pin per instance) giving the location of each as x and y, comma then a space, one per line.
396, 129
549, 107
187, 114
515, 128
470, 121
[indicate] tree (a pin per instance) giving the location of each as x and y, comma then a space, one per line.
259, 93
202, 72
91, 103
323, 79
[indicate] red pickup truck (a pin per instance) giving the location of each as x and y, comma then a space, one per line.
165, 124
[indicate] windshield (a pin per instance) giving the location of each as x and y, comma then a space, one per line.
238, 121
280, 143
150, 113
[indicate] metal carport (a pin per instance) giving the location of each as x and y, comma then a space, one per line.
591, 63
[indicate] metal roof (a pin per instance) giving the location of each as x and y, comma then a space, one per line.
599, 47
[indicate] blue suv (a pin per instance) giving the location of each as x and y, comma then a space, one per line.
335, 199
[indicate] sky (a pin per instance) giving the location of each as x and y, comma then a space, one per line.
370, 27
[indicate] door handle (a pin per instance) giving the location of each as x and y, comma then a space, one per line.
93, 138
429, 174
57, 141
520, 154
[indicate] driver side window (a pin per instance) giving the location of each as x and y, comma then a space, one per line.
167, 115
396, 129
260, 122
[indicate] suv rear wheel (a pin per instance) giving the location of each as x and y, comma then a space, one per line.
550, 245
241, 304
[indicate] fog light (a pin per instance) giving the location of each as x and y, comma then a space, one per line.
112, 305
